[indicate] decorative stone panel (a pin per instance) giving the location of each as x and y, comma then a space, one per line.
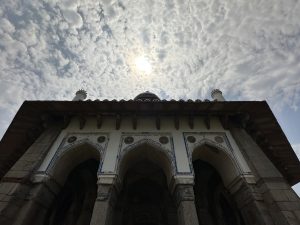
218, 140
72, 140
162, 142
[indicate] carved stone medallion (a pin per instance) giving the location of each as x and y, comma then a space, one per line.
72, 139
191, 139
101, 139
164, 140
128, 140
219, 139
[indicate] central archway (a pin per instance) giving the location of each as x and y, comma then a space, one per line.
144, 198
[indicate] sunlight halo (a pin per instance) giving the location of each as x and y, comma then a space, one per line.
143, 65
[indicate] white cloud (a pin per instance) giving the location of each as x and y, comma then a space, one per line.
6, 26
72, 18
248, 49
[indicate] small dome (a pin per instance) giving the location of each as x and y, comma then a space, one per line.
146, 96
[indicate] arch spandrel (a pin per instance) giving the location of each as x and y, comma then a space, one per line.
69, 157
219, 159
216, 149
146, 149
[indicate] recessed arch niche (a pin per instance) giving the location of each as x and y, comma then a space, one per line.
76, 171
214, 170
144, 197
62, 164
146, 150
219, 159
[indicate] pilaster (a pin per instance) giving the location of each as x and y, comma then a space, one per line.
250, 203
185, 201
105, 201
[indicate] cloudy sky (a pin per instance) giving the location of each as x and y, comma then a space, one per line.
175, 48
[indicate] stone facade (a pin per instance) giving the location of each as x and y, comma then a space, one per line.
200, 172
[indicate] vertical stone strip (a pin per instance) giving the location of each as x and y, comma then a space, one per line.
250, 203
281, 201
104, 205
34, 155
16, 189
185, 201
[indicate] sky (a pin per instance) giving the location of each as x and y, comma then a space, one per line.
174, 48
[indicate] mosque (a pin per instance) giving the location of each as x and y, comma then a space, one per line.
147, 161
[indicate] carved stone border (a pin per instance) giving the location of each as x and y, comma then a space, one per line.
152, 139
225, 146
82, 138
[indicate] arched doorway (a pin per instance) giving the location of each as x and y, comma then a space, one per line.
74, 204
144, 198
76, 171
214, 204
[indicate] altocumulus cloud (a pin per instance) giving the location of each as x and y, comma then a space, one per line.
49, 49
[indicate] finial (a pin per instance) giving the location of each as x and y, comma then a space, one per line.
80, 95
216, 94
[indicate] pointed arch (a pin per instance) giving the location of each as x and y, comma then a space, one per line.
146, 149
66, 159
218, 157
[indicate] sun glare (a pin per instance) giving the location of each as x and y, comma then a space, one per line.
143, 65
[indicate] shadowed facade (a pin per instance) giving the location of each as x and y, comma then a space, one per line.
147, 161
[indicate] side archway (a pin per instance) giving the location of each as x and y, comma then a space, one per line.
75, 169
218, 157
214, 171
67, 159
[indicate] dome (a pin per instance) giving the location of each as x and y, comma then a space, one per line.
147, 96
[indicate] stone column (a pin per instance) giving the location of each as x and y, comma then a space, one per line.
276, 194
104, 205
185, 201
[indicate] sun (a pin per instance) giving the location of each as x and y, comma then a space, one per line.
143, 65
